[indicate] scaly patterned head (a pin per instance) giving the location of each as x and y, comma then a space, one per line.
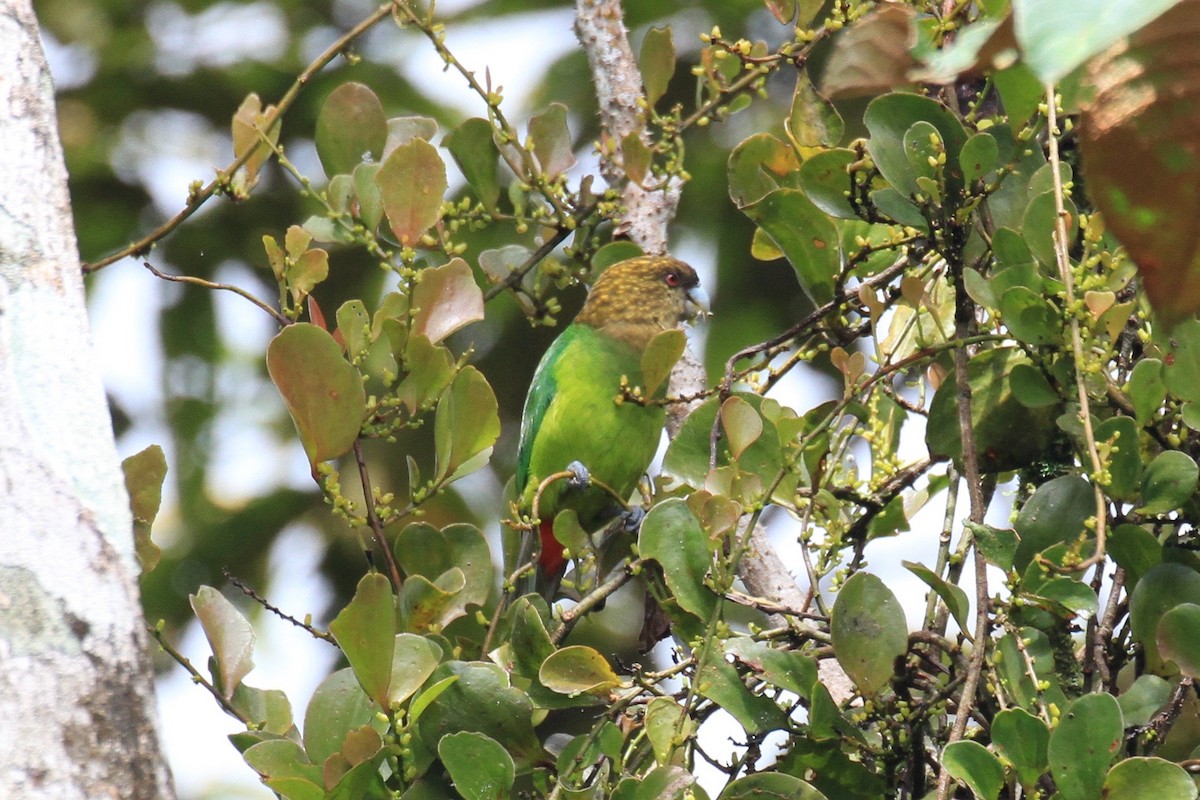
635, 299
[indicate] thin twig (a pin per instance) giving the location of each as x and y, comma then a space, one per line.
1064, 273
964, 322
202, 195
240, 292
373, 517
262, 601
183, 661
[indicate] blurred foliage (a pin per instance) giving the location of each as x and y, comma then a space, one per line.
935, 253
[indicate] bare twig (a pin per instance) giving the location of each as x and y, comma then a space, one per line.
197, 678
240, 292
262, 601
373, 518
1064, 274
964, 322
202, 195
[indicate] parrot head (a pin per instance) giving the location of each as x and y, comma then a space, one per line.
637, 298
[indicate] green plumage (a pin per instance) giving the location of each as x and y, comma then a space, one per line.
572, 415
573, 412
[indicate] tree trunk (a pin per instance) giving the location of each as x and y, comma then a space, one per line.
77, 711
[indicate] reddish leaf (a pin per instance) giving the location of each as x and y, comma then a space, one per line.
552, 140
1141, 147
446, 299
412, 182
872, 55
323, 392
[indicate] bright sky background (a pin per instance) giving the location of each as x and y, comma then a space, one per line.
168, 151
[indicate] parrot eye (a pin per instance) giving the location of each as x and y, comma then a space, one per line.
672, 279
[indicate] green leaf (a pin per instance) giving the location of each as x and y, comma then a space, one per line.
474, 150
980, 156
1161, 589
869, 631
667, 726
414, 658
412, 182
786, 669
1142, 778
741, 423
1125, 459
657, 63
998, 545
719, 682
1024, 740
1056, 513
1182, 371
806, 236
482, 701
283, 759
229, 635
351, 125
995, 414
660, 358
466, 426
770, 786
892, 204
1169, 481
268, 709
1178, 637
337, 707
972, 763
145, 472
953, 596
479, 765
552, 140
636, 157
366, 192
1087, 738
813, 121
889, 117
428, 605
672, 536
354, 324
1030, 387
576, 670
1135, 549
826, 180
1056, 37
1014, 674
1038, 226
1030, 317
365, 630
1141, 701
758, 166
445, 299
323, 392
422, 549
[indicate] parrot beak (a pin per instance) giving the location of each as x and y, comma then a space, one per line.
696, 305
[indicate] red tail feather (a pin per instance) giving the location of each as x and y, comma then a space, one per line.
551, 559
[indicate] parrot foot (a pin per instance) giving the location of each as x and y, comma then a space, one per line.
580, 477
631, 519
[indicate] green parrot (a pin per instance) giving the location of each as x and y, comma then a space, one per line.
572, 420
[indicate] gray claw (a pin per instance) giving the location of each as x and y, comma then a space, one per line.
580, 477
631, 520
